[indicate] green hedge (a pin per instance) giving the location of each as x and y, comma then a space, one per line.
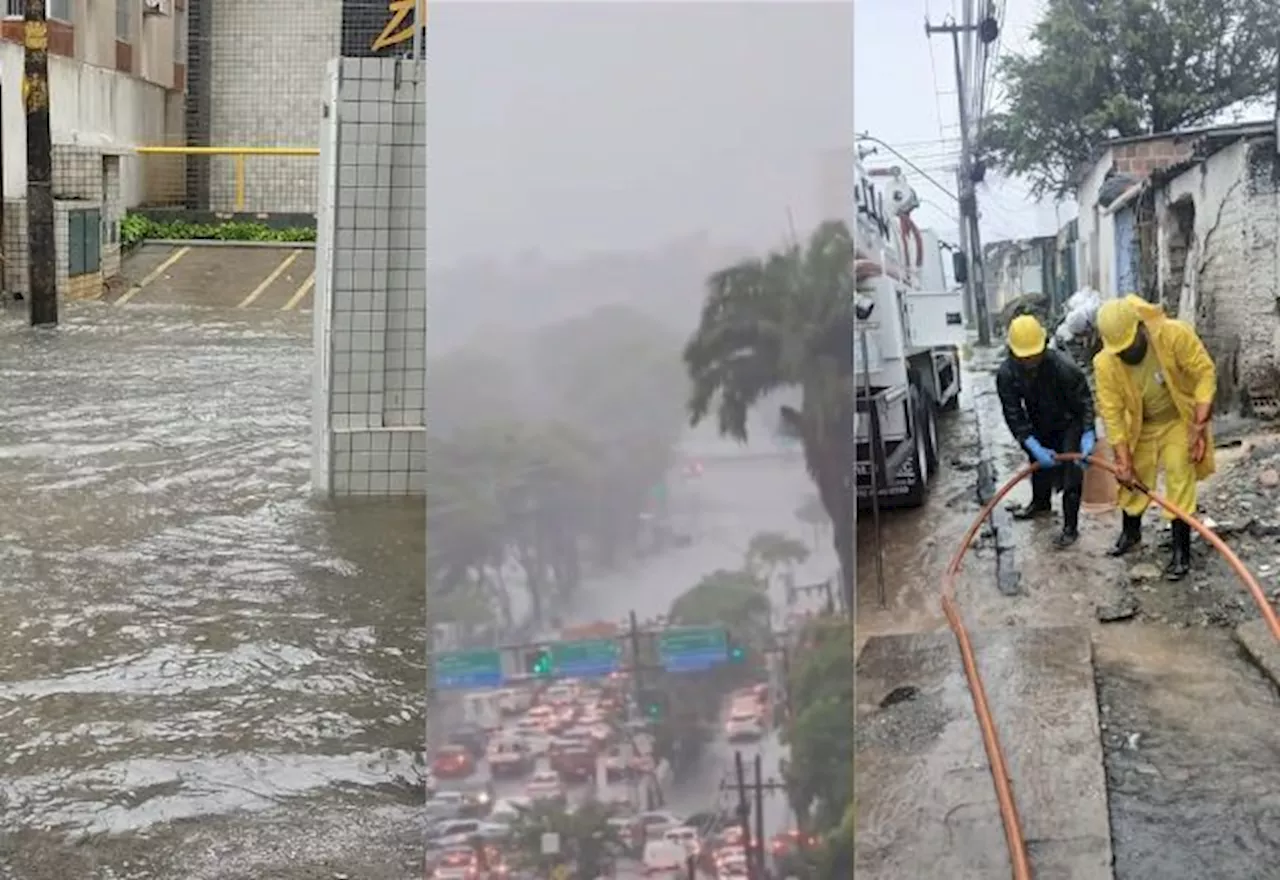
138, 228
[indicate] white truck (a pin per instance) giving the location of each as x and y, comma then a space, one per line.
908, 331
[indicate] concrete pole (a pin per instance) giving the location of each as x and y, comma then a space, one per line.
41, 250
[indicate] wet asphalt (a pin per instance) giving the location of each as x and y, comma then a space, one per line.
207, 672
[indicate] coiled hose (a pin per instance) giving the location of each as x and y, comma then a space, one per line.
990, 739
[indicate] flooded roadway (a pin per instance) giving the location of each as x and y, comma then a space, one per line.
1188, 736
207, 673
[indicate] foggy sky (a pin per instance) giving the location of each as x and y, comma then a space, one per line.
570, 128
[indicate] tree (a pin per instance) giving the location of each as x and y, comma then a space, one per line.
820, 733
768, 553
1117, 68
509, 492
786, 321
615, 375
735, 600
588, 843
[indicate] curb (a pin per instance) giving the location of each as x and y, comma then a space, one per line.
1000, 525
1261, 648
215, 243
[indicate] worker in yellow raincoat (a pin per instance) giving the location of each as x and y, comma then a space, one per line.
1155, 388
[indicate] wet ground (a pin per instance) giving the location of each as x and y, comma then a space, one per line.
1193, 798
208, 674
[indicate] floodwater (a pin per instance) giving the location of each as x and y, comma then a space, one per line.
191, 635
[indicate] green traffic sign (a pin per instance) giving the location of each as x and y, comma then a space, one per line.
461, 670
693, 640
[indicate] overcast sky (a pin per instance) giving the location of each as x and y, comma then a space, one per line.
905, 94
572, 127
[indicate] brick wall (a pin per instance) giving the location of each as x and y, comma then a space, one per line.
1146, 156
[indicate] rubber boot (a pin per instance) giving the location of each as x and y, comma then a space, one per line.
1130, 535
1070, 520
1180, 561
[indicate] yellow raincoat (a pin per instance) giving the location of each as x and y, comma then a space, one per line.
1191, 378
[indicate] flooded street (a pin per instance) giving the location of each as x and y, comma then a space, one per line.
1186, 723
196, 647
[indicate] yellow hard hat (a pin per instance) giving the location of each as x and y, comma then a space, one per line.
1117, 325
1026, 336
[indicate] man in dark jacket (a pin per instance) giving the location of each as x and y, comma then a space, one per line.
1049, 409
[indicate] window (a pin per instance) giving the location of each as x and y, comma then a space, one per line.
84, 241
55, 9
124, 20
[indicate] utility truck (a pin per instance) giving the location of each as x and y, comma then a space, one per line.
908, 331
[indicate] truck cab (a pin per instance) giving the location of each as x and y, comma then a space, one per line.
908, 329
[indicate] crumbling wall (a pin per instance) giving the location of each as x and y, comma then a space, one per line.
1259, 358
1220, 307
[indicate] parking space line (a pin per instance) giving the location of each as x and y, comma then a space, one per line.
300, 293
269, 280
153, 275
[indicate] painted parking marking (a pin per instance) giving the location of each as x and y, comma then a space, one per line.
300, 293
153, 275
269, 280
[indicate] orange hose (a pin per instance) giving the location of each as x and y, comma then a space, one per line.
1014, 837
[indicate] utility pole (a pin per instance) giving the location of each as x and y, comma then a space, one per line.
987, 30
744, 812
41, 251
759, 786
747, 792
637, 683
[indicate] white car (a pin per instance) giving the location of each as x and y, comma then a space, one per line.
509, 809
662, 857
545, 785
658, 822
684, 837
744, 724
446, 805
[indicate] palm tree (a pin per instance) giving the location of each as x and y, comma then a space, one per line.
786, 321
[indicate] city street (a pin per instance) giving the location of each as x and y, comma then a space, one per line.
739, 493
207, 674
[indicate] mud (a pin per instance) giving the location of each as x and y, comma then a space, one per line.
204, 665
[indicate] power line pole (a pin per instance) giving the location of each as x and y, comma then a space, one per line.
41, 251
744, 812
968, 196
637, 683
759, 762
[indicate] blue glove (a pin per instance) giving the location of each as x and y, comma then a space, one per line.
1087, 441
1044, 457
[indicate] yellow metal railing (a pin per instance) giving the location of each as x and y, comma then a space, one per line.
287, 186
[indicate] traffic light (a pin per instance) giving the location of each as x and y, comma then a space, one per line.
537, 662
654, 704
737, 652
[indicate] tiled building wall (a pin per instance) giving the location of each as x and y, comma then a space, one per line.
83, 177
371, 309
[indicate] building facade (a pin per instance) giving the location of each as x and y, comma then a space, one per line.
116, 76
1192, 221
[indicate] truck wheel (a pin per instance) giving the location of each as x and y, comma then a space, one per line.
923, 410
930, 422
